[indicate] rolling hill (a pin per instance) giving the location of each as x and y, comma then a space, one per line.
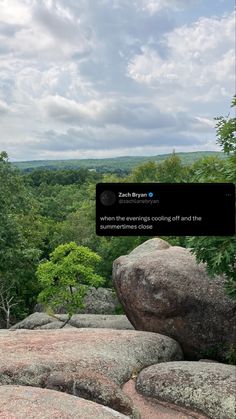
123, 163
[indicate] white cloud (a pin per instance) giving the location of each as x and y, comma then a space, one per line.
155, 6
198, 57
15, 11
3, 107
65, 87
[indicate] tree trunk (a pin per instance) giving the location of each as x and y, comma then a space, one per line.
65, 323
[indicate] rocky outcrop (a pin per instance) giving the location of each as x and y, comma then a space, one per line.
164, 290
97, 301
151, 408
18, 402
45, 321
208, 388
88, 363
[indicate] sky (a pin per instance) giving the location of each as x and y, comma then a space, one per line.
107, 78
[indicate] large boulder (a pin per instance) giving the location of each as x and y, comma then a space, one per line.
19, 402
46, 321
88, 363
208, 388
164, 290
97, 301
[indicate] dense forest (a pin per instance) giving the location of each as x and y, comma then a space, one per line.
119, 165
41, 209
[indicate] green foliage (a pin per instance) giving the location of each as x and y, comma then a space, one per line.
146, 172
219, 255
120, 166
221, 353
66, 276
19, 238
172, 170
230, 356
226, 129
59, 177
219, 252
208, 169
119, 310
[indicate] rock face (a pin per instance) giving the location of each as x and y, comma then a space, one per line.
45, 321
164, 290
209, 388
88, 363
97, 301
18, 402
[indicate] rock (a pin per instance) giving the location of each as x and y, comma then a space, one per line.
54, 325
164, 290
89, 363
207, 360
45, 321
100, 301
208, 388
97, 301
18, 402
33, 321
101, 321
151, 408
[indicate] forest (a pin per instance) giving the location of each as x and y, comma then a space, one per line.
42, 209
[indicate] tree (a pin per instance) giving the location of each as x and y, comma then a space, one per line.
225, 130
171, 170
208, 169
219, 252
7, 303
145, 172
19, 252
66, 276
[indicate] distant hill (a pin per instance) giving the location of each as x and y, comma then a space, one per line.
125, 163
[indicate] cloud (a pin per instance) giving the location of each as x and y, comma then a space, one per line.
123, 113
63, 27
111, 76
3, 108
9, 29
15, 12
99, 139
154, 6
200, 60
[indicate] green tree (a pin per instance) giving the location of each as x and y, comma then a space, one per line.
208, 169
66, 276
19, 252
225, 130
219, 253
171, 170
146, 172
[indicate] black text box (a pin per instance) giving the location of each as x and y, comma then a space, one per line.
172, 209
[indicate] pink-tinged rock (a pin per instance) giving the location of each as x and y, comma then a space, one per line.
88, 363
19, 402
164, 290
205, 387
151, 408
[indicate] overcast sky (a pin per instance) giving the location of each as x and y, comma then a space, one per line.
101, 78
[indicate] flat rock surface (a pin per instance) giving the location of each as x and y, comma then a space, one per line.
89, 363
18, 402
205, 387
45, 321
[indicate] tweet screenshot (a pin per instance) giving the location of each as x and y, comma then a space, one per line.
177, 209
